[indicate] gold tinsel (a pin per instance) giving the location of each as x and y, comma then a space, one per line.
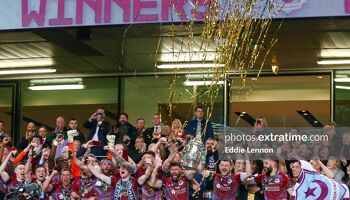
238, 30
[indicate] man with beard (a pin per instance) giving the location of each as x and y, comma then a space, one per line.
61, 190
176, 187
102, 189
122, 128
225, 185
275, 184
126, 187
212, 155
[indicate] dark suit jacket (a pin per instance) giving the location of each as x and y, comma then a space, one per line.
80, 137
148, 135
191, 129
131, 131
105, 127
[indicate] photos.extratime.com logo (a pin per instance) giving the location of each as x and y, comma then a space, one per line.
287, 143
271, 137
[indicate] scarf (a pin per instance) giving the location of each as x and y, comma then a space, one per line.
65, 194
119, 188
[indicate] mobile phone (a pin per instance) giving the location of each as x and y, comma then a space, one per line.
126, 142
96, 143
176, 141
70, 154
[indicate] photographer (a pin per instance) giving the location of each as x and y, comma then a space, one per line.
98, 130
60, 129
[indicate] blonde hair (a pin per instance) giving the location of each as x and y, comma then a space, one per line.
263, 119
174, 121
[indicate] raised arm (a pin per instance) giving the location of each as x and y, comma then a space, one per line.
79, 163
91, 121
21, 155
3, 165
47, 187
4, 175
155, 148
121, 162
248, 169
99, 175
51, 159
52, 154
28, 167
143, 179
325, 170
154, 181
167, 162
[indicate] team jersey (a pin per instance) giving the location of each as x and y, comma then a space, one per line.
226, 187
176, 190
275, 187
150, 193
104, 190
13, 184
60, 193
84, 187
3, 187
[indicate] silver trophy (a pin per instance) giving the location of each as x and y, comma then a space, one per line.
111, 141
194, 153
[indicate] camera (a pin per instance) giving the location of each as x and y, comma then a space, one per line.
31, 191
126, 141
33, 152
176, 141
2, 136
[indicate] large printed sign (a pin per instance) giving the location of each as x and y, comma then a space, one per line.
21, 14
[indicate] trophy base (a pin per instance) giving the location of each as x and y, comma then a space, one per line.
190, 166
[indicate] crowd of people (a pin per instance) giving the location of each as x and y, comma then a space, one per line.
127, 162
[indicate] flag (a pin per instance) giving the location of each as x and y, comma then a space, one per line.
315, 186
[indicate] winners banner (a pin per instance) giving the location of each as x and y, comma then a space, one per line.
24, 14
